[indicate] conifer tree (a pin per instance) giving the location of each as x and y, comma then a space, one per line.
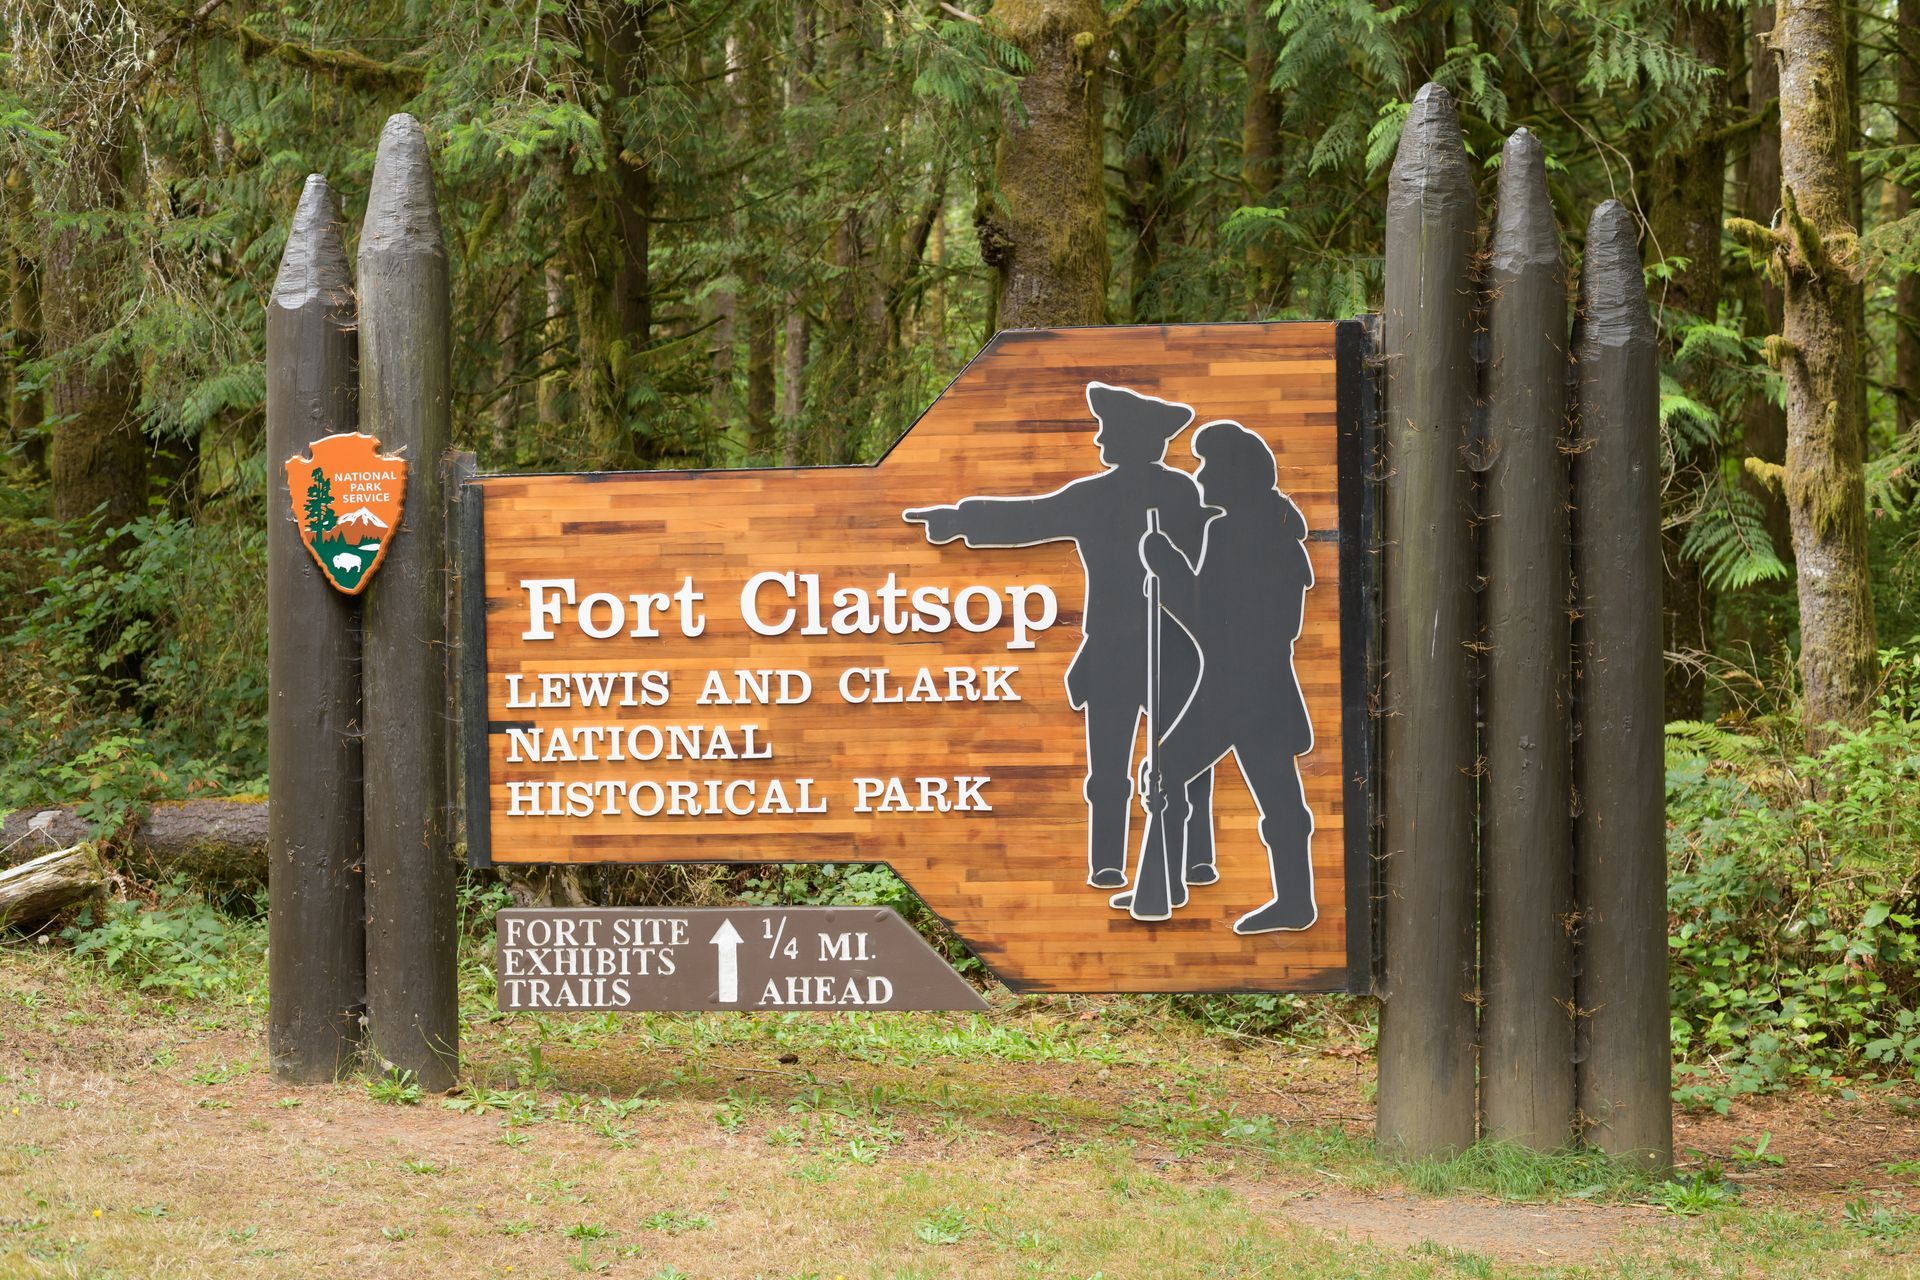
321, 519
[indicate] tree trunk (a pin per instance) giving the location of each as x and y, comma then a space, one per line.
553, 340
1260, 160
24, 406
1688, 189
1906, 307
725, 298
212, 842
932, 315
1157, 43
793, 381
1046, 234
797, 339
1818, 356
43, 887
855, 337
1763, 423
763, 431
173, 471
609, 219
622, 73
99, 451
506, 403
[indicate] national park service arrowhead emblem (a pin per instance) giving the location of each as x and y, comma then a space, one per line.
346, 500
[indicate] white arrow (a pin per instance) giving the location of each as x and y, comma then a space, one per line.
727, 939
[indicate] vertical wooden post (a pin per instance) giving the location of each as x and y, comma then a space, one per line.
1526, 1020
1427, 1094
412, 1000
316, 975
1620, 864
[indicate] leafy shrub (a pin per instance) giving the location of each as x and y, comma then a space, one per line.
1791, 893
180, 944
132, 682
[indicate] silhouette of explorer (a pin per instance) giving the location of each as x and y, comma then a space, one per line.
1104, 515
1241, 601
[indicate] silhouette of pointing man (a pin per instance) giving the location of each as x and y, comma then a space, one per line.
1105, 516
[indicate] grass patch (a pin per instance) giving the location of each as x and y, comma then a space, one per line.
1041, 1143
1509, 1171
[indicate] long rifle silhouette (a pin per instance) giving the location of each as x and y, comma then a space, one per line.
1158, 886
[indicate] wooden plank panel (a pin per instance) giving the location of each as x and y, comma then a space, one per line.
1012, 881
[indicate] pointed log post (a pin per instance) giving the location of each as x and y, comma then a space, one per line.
1526, 1021
1427, 1093
412, 1003
316, 905
1620, 858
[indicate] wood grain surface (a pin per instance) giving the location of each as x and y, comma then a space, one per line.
1012, 882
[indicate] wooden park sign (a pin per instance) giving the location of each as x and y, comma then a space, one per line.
1081, 658
1095, 657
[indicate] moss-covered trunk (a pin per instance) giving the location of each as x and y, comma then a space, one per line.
606, 241
1687, 195
1763, 423
1818, 255
1046, 232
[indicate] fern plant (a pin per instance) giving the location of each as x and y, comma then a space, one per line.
1691, 740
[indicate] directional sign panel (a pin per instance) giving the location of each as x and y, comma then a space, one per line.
634, 958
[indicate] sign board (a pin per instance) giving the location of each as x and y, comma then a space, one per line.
771, 960
1082, 658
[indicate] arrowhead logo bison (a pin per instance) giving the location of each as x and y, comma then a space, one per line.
346, 501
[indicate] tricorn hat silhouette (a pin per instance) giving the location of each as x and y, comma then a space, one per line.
1126, 412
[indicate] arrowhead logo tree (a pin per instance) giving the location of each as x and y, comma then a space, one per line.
347, 498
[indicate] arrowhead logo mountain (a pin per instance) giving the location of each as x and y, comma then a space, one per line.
347, 497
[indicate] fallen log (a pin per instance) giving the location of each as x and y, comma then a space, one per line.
45, 886
222, 842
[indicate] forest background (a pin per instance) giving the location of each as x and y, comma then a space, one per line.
769, 231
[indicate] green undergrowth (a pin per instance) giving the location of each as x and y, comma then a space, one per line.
133, 682
1795, 955
174, 943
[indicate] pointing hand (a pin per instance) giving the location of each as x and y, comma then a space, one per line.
943, 523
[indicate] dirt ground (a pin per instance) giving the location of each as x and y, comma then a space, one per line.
139, 1138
